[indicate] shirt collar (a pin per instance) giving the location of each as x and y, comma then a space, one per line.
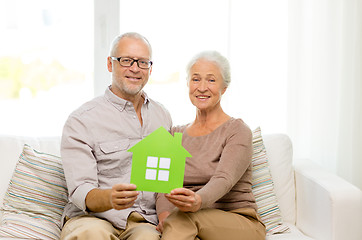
121, 103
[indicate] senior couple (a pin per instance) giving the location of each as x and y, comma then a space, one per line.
216, 201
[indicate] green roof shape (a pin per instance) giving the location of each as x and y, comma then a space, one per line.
158, 162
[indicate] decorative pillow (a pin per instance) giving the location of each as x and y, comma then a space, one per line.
35, 199
263, 188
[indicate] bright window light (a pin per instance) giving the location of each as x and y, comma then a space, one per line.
46, 57
252, 34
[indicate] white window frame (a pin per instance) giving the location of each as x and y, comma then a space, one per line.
106, 27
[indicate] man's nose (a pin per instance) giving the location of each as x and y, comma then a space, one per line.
134, 66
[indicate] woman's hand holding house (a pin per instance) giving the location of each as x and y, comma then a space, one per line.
185, 199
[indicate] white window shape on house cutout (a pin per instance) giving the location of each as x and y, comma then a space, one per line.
158, 168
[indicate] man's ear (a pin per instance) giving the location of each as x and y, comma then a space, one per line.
109, 64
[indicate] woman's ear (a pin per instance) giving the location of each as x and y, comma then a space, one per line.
224, 90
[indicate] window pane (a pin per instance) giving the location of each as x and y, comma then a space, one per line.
177, 30
252, 34
46, 57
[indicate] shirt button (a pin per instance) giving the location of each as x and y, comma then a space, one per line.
134, 117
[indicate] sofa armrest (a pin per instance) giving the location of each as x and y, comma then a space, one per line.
328, 207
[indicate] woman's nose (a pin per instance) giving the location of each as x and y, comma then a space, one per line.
203, 86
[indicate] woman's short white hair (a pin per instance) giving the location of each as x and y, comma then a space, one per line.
212, 56
134, 35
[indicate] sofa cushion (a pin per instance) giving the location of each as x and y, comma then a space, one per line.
12, 146
36, 196
263, 188
293, 234
280, 154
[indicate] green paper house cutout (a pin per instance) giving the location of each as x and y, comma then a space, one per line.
158, 162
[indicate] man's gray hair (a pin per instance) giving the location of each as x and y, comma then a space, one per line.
212, 56
134, 35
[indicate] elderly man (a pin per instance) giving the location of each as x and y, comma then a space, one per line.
102, 202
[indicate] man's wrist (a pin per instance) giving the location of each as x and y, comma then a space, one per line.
98, 200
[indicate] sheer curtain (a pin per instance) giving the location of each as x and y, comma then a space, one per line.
325, 84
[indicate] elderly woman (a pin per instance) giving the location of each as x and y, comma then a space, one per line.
216, 201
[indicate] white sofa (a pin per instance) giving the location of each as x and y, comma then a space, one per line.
314, 204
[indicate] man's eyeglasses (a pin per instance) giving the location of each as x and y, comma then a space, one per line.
128, 62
